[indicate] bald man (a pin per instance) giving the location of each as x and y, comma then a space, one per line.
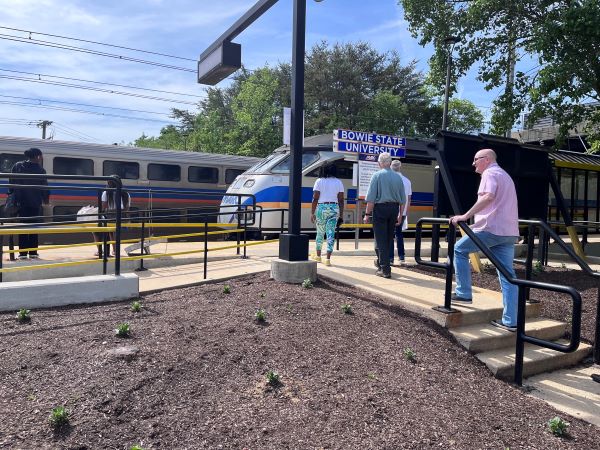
496, 223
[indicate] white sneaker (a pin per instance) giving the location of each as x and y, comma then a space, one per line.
327, 262
316, 258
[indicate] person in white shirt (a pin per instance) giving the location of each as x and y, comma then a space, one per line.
402, 224
327, 210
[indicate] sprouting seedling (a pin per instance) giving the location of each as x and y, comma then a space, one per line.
136, 306
136, 447
538, 267
226, 289
260, 315
307, 284
262, 295
123, 330
273, 378
59, 416
347, 308
410, 354
24, 315
557, 426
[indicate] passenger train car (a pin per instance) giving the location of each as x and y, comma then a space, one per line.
268, 181
150, 175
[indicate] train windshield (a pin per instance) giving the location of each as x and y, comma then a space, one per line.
284, 166
261, 165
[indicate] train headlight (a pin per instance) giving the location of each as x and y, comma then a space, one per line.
249, 183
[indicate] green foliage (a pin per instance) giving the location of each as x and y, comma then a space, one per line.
371, 376
136, 306
307, 284
497, 36
59, 416
558, 426
273, 378
260, 315
24, 315
538, 268
136, 447
226, 289
410, 354
123, 330
347, 308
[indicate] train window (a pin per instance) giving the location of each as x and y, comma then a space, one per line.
164, 172
203, 174
8, 160
73, 166
284, 166
343, 169
66, 213
125, 169
231, 174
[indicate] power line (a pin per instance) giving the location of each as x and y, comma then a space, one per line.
97, 113
40, 100
65, 128
90, 88
98, 43
10, 37
40, 75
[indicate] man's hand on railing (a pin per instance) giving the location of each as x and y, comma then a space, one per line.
455, 219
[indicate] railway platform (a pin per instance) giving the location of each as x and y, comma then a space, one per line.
570, 390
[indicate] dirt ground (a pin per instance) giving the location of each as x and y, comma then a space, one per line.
195, 377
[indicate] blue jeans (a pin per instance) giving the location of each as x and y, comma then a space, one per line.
399, 242
503, 248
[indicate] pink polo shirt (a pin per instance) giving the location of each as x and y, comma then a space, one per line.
501, 217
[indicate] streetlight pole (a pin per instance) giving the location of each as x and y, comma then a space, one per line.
449, 42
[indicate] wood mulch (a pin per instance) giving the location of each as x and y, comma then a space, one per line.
194, 376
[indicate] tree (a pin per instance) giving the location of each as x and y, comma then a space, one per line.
561, 35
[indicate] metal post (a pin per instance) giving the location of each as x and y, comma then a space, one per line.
245, 235
205, 247
142, 240
11, 247
118, 228
597, 337
520, 345
529, 259
239, 224
447, 90
450, 268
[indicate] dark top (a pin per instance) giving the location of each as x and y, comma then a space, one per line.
30, 198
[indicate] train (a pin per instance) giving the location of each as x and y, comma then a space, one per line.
266, 183
157, 180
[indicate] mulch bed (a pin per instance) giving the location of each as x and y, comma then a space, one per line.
198, 377
555, 305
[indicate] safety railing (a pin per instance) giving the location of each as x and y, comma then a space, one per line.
523, 286
448, 266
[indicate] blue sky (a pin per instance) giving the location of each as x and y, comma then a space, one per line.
181, 28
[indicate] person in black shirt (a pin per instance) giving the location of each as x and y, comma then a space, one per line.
29, 201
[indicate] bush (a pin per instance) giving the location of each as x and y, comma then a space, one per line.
410, 354
24, 315
136, 306
123, 330
260, 315
226, 289
59, 416
307, 284
347, 308
557, 426
273, 378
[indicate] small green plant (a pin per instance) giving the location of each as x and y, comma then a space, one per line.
123, 330
136, 306
371, 376
488, 265
307, 284
260, 315
262, 295
59, 416
24, 315
347, 308
226, 289
538, 267
557, 426
410, 354
136, 447
273, 378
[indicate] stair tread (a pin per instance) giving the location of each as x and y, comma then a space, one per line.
505, 357
487, 330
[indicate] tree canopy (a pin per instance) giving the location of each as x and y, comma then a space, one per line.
559, 38
346, 86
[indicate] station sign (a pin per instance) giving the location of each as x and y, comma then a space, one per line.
367, 166
360, 142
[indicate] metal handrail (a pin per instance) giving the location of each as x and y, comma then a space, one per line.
448, 266
522, 286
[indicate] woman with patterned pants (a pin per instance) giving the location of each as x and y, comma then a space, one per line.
327, 210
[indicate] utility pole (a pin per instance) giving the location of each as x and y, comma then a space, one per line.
43, 124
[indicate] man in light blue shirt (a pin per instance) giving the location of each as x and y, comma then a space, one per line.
385, 198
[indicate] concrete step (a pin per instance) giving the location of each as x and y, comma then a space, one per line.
483, 312
501, 362
485, 337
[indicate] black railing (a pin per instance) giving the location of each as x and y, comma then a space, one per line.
448, 266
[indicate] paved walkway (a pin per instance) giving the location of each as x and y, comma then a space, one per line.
571, 390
